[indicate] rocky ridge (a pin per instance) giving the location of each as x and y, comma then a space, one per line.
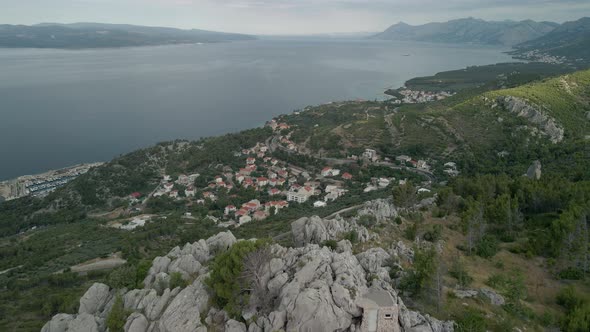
311, 288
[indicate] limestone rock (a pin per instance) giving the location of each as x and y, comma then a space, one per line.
59, 323
534, 171
235, 326
381, 209
465, 293
317, 230
495, 298
184, 312
344, 245
136, 322
84, 322
221, 242
95, 299
535, 115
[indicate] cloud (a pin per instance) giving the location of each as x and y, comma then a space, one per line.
286, 16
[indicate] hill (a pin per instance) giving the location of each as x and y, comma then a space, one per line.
424, 201
97, 35
469, 30
570, 42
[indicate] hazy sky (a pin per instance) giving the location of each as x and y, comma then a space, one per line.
284, 16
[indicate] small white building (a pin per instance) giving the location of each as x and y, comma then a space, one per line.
319, 204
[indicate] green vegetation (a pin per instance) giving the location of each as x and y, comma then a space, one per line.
118, 316
229, 289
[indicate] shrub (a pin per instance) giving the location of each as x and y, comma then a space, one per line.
434, 234
176, 280
411, 231
117, 317
332, 244
398, 220
367, 220
459, 272
471, 321
351, 236
486, 247
123, 277
578, 320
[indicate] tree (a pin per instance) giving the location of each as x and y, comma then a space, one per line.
225, 278
404, 195
473, 223
253, 278
117, 317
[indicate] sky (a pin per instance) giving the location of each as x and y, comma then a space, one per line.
285, 17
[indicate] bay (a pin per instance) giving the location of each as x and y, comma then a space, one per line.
63, 107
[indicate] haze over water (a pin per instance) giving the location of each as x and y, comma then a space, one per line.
59, 107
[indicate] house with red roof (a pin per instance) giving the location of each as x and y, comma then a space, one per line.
262, 181
274, 191
250, 161
259, 215
347, 176
229, 209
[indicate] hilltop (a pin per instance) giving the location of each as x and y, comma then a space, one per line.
469, 30
99, 35
425, 200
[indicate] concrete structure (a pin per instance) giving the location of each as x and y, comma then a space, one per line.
380, 312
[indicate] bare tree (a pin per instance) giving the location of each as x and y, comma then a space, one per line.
255, 276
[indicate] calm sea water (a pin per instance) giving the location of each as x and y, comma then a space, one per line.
59, 108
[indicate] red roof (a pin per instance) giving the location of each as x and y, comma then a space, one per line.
347, 176
136, 195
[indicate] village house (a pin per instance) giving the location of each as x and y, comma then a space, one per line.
190, 192
173, 193
370, 154
229, 209
245, 219
274, 192
384, 182
168, 186
250, 161
259, 215
277, 205
262, 181
422, 164
166, 178
218, 179
329, 171
241, 212
403, 159
347, 176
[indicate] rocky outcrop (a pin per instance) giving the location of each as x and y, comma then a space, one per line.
493, 297
534, 171
381, 209
309, 288
316, 230
535, 115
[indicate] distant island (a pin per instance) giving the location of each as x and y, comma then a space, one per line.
99, 35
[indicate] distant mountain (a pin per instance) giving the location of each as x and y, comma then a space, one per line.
470, 30
98, 35
570, 40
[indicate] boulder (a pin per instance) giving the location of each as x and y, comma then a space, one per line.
59, 323
381, 209
199, 250
344, 245
235, 326
493, 297
84, 322
465, 293
184, 312
95, 299
316, 230
136, 322
534, 171
221, 242
186, 265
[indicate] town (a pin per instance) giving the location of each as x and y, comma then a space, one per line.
264, 185
40, 185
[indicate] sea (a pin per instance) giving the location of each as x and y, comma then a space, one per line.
63, 107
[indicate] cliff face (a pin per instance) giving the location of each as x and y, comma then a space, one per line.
535, 115
310, 288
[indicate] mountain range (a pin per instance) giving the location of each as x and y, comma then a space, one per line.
470, 30
569, 39
99, 35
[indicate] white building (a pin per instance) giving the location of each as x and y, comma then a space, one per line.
319, 204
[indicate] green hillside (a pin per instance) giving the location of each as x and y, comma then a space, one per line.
492, 137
